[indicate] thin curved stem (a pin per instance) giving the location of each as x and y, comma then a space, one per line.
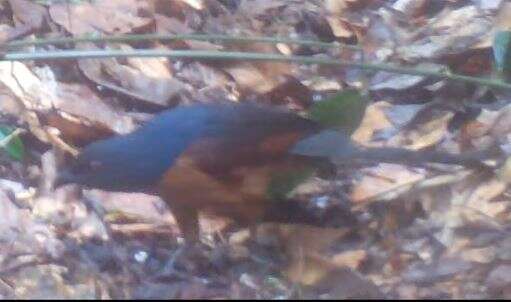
231, 55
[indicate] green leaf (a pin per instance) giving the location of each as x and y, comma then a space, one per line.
343, 111
15, 148
502, 52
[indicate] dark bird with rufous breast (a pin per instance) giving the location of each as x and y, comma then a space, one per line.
232, 160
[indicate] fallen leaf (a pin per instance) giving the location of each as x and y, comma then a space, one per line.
482, 197
392, 81
109, 17
440, 270
383, 178
148, 79
336, 9
453, 31
352, 259
374, 120
479, 255
141, 205
500, 277
426, 133
28, 13
169, 25
249, 77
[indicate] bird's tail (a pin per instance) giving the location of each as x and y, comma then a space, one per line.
412, 157
338, 147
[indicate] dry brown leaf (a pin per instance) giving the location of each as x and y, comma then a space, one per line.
110, 17
410, 7
308, 270
82, 102
352, 259
490, 4
148, 79
28, 93
308, 238
334, 282
44, 95
249, 77
504, 173
169, 25
260, 7
382, 35
502, 19
479, 255
484, 123
28, 13
489, 127
482, 197
452, 32
210, 84
12, 218
78, 132
440, 270
303, 244
147, 207
402, 115
260, 77
196, 4
157, 90
393, 81
425, 133
336, 8
8, 33
24, 84
374, 120
501, 125
382, 178
290, 92
500, 277
8, 103
31, 236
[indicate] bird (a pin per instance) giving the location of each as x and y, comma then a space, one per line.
234, 160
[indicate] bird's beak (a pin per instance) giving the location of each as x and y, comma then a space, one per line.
63, 178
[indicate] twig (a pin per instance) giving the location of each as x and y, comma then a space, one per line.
142, 228
59, 142
229, 55
15, 268
163, 37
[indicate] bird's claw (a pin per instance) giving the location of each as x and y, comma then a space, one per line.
186, 259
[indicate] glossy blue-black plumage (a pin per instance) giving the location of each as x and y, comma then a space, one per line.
136, 161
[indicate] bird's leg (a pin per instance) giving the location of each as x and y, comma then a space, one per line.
187, 219
253, 215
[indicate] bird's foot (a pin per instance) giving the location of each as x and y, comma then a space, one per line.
186, 260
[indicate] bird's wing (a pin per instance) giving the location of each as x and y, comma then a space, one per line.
239, 156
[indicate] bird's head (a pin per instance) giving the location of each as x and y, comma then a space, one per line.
93, 167
113, 164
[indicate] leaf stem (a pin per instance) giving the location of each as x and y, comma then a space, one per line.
232, 55
166, 37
